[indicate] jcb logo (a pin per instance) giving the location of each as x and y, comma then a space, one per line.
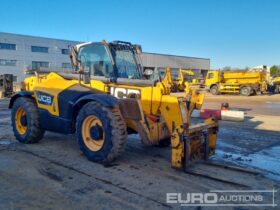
44, 98
120, 92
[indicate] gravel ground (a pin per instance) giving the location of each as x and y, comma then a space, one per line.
54, 174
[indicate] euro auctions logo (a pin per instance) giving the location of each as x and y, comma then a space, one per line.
192, 198
224, 198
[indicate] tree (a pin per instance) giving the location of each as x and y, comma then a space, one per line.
274, 70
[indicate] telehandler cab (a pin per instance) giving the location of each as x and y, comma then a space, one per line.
108, 98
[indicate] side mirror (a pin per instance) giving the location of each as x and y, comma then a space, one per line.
86, 75
148, 72
85, 72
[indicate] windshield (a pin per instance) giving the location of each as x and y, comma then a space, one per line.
126, 64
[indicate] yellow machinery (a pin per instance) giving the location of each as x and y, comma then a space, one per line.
243, 82
183, 80
107, 99
189, 78
275, 84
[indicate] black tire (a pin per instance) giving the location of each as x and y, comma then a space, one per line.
245, 91
253, 92
113, 128
33, 132
277, 89
214, 90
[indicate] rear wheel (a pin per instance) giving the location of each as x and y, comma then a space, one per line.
25, 121
101, 132
214, 90
277, 89
245, 91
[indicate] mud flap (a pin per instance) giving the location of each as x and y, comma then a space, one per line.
131, 109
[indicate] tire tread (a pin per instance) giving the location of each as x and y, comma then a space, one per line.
35, 132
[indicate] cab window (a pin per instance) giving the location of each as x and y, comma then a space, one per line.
95, 58
210, 75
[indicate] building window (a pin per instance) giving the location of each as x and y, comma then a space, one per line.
4, 62
38, 64
39, 49
7, 46
66, 65
65, 51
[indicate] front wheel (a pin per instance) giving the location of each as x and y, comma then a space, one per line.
25, 121
101, 132
214, 90
245, 91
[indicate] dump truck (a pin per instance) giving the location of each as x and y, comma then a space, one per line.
243, 82
107, 99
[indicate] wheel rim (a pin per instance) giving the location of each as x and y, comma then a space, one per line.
94, 141
20, 120
214, 90
245, 91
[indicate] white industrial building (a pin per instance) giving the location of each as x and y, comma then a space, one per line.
151, 60
175, 62
19, 53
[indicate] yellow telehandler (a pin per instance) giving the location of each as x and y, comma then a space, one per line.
107, 98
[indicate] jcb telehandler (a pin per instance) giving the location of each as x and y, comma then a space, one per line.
107, 99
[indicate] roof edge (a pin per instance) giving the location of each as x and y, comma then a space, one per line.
175, 55
42, 37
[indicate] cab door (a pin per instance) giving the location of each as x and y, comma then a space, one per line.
211, 77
